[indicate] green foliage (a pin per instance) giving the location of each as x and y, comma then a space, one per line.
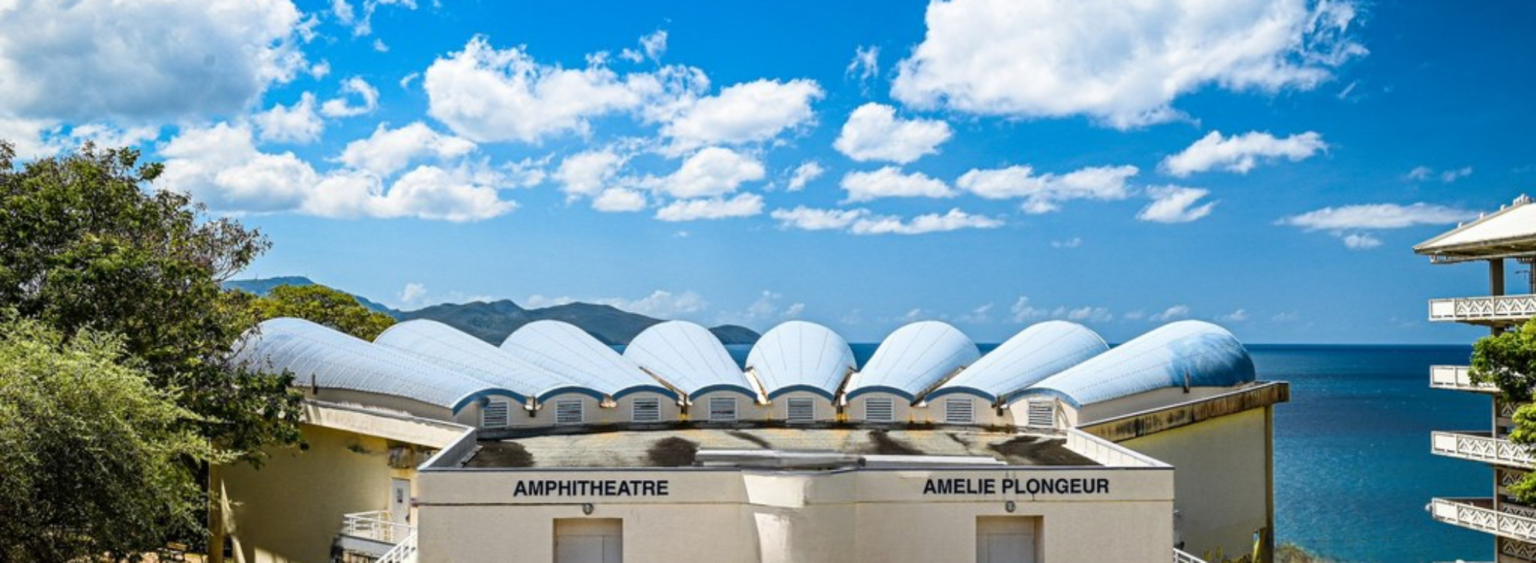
84, 244
1292, 553
322, 305
92, 455
1509, 360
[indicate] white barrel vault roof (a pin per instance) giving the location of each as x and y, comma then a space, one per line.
688, 356
913, 358
1193, 353
323, 357
801, 356
569, 352
444, 345
1033, 354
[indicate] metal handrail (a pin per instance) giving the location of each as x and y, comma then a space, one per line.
1481, 446
1496, 307
375, 525
1479, 514
1180, 556
403, 552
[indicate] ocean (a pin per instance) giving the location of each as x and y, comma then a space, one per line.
1352, 464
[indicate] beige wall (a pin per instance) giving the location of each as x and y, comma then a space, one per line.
1139, 402
1223, 479
593, 412
747, 409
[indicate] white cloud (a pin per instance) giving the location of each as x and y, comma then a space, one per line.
362, 26
389, 150
873, 132
1045, 192
619, 200
660, 304
1123, 64
744, 113
1449, 176
1023, 311
1172, 313
341, 106
38, 138
297, 123
134, 62
1361, 241
380, 46
805, 174
221, 167
486, 94
1377, 216
863, 222
1073, 242
1420, 173
588, 173
743, 205
411, 292
865, 65
1238, 316
1240, 153
652, 47
1084, 314
1175, 204
712, 171
320, 70
890, 181
980, 315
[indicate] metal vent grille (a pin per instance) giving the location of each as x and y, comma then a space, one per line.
496, 414
722, 409
879, 410
959, 411
802, 410
568, 411
1042, 413
646, 410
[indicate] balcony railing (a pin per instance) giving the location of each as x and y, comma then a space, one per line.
375, 525
1179, 556
403, 552
1479, 514
1484, 310
1457, 378
1481, 446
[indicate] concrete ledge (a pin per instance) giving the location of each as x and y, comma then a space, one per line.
1146, 423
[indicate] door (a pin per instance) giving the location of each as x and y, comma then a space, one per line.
400, 501
589, 540
1006, 539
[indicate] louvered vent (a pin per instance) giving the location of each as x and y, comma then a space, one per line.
879, 410
496, 414
647, 410
722, 409
802, 410
1042, 414
959, 411
568, 411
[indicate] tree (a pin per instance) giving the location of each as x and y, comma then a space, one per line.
1508, 360
325, 306
91, 453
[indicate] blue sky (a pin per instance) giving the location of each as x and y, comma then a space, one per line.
1265, 165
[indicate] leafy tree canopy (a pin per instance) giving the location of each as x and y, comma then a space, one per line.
322, 305
1508, 359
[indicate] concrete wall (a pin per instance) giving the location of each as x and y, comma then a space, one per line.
1222, 478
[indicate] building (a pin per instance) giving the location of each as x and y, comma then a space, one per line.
431, 445
1495, 239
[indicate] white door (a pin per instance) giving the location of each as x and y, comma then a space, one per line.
589, 540
400, 501
1005, 539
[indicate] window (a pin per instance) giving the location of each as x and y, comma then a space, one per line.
879, 410
568, 411
959, 411
496, 414
646, 410
1042, 413
802, 410
589, 540
722, 409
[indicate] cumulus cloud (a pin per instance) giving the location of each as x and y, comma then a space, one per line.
342, 106
362, 25
804, 174
865, 65
1421, 173
1175, 204
744, 113
1347, 221
873, 132
411, 292
1172, 313
864, 222
712, 171
890, 181
1121, 64
619, 200
588, 173
387, 150
1361, 241
1073, 242
139, 62
221, 166
297, 123
1044, 193
1024, 311
652, 47
743, 205
1240, 153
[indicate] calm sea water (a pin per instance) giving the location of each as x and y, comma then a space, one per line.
1352, 464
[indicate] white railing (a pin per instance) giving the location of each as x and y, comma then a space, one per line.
1479, 514
1480, 446
375, 525
1458, 378
403, 552
1500, 308
1179, 556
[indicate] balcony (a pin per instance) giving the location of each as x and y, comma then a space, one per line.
1457, 378
1479, 514
1481, 446
374, 535
1182, 557
1501, 310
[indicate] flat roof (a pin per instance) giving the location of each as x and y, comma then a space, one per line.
677, 447
1509, 232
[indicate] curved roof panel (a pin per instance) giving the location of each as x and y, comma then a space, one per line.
444, 345
1195, 353
688, 356
915, 356
1033, 354
575, 356
323, 357
798, 355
